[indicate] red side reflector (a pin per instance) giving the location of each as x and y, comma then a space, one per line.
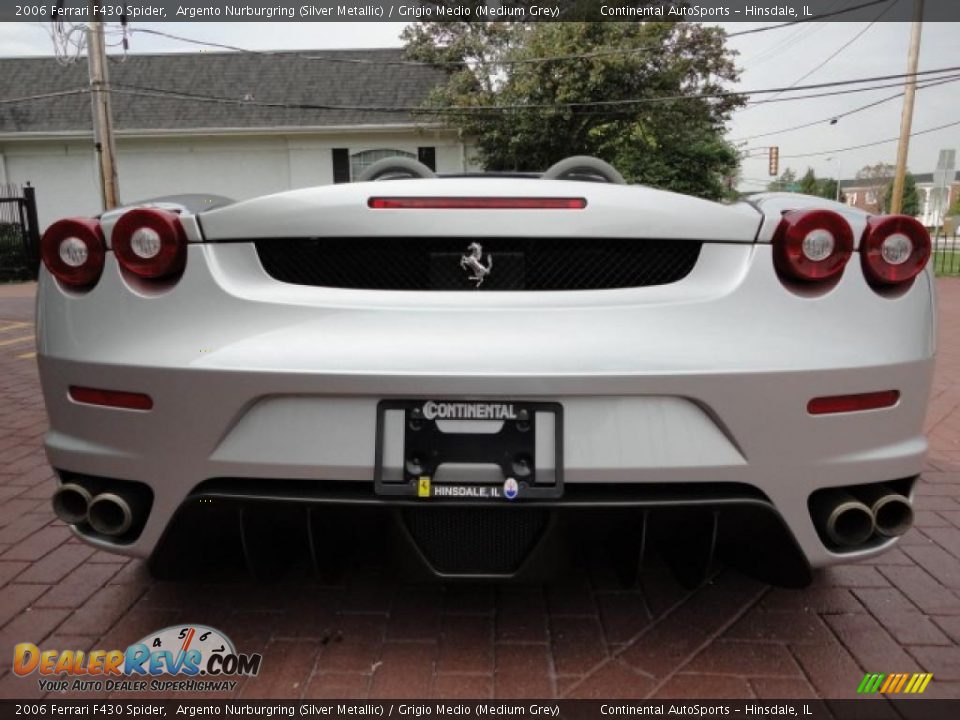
476, 203
853, 403
111, 398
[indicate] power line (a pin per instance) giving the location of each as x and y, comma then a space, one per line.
631, 111
812, 96
83, 91
623, 106
146, 91
786, 42
849, 91
43, 96
871, 144
132, 89
844, 46
815, 18
604, 52
843, 114
309, 106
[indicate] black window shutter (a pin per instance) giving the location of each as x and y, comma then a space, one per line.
428, 156
341, 165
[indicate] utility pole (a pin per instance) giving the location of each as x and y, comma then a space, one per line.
102, 117
837, 198
906, 119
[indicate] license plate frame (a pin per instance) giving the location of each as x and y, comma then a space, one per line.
517, 439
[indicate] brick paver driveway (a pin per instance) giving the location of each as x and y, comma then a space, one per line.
581, 637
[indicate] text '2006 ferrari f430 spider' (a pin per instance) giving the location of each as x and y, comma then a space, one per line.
494, 364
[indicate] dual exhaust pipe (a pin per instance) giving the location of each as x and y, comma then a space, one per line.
845, 518
108, 513
848, 519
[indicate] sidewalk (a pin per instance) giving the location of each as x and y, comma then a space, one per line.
18, 290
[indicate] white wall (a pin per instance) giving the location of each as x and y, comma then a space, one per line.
65, 175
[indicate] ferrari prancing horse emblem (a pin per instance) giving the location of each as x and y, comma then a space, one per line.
473, 261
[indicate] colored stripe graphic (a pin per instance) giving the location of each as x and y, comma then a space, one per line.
913, 683
870, 682
918, 683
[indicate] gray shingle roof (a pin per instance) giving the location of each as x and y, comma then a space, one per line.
281, 77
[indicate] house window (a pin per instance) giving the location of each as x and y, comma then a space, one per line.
853, 198
341, 165
428, 156
871, 197
362, 160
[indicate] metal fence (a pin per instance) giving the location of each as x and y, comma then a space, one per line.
19, 233
946, 250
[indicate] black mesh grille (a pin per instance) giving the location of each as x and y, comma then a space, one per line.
476, 540
386, 263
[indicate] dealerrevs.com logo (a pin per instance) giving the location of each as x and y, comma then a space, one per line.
203, 655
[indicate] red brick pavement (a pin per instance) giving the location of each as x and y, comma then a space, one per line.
370, 636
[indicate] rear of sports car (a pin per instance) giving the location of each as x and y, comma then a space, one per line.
486, 361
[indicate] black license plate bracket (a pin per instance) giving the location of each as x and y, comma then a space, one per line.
419, 440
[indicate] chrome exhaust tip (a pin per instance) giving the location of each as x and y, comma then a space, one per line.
892, 512
893, 515
843, 519
71, 503
110, 514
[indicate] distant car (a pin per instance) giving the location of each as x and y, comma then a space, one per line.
481, 354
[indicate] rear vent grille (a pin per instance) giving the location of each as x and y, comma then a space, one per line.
476, 540
386, 263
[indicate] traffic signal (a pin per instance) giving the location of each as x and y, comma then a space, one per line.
774, 168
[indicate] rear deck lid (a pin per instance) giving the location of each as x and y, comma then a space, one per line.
606, 211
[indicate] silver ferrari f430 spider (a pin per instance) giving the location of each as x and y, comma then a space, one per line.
486, 361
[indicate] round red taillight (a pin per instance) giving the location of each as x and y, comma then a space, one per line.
894, 249
73, 251
150, 243
812, 245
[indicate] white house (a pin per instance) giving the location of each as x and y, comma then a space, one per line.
192, 123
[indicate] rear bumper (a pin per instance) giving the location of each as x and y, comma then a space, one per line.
704, 381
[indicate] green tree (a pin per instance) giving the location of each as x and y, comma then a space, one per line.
911, 201
827, 188
809, 183
787, 182
528, 115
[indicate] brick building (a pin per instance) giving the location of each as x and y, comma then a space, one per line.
869, 195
